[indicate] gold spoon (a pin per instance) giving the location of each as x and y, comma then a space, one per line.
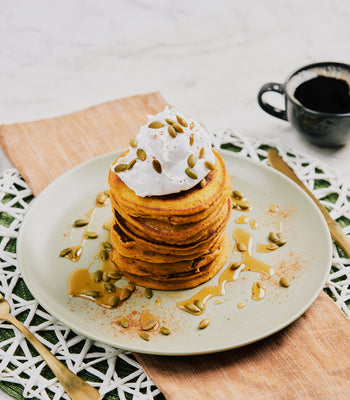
76, 388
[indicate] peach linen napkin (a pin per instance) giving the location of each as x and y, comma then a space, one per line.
310, 359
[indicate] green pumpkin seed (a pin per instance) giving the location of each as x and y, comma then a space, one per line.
191, 125
241, 247
169, 121
191, 139
141, 154
201, 152
115, 301
148, 293
92, 293
164, 330
101, 198
105, 277
133, 143
131, 164
109, 287
81, 222
272, 246
281, 242
235, 265
115, 275
284, 282
178, 128
192, 308
97, 275
273, 237
156, 125
65, 252
156, 166
190, 172
124, 294
244, 205
91, 235
120, 168
172, 131
104, 255
145, 336
181, 121
191, 161
237, 194
107, 245
124, 322
209, 165
203, 183
199, 304
204, 323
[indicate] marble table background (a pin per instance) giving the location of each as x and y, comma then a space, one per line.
208, 58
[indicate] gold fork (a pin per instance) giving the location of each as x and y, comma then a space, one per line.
76, 388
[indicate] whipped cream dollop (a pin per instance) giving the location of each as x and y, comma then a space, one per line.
159, 162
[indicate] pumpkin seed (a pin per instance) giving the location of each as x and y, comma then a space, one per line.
273, 237
204, 323
164, 330
272, 246
105, 277
115, 275
92, 293
104, 255
91, 235
148, 293
141, 154
199, 304
172, 131
81, 222
203, 183
107, 226
281, 242
235, 265
156, 166
190, 172
115, 301
124, 322
209, 165
131, 286
284, 282
124, 294
181, 121
201, 152
97, 275
131, 164
65, 252
191, 125
145, 336
101, 198
191, 161
156, 125
192, 308
178, 128
109, 287
120, 168
244, 205
107, 245
133, 143
241, 247
169, 121
191, 139
237, 194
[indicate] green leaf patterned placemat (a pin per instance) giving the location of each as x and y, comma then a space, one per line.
115, 372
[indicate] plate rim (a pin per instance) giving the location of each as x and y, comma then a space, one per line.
144, 350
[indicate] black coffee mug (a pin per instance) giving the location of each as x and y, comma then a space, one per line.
317, 102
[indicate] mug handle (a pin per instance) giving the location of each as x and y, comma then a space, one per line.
272, 87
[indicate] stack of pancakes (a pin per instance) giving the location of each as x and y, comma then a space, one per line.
175, 241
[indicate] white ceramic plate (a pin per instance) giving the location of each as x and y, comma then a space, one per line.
306, 258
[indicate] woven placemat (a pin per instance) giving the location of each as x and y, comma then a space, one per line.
115, 372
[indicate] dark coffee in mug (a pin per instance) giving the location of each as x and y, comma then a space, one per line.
317, 102
325, 94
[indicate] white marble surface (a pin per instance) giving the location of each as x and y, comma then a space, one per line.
208, 58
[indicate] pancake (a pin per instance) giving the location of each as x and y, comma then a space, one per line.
174, 208
184, 280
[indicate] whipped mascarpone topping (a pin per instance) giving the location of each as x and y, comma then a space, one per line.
171, 152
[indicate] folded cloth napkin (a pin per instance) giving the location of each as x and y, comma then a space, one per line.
310, 359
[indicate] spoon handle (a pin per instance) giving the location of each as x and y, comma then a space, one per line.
76, 388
